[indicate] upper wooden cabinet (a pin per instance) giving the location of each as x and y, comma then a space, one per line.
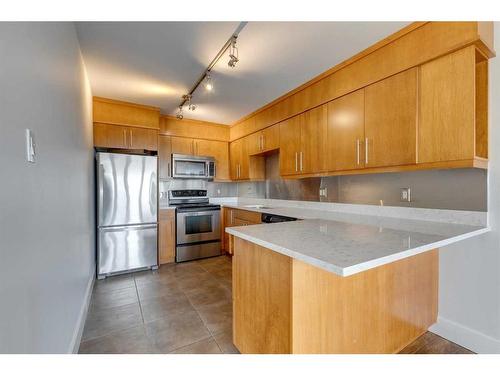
164, 156
218, 150
303, 143
346, 132
125, 137
391, 121
115, 112
264, 140
181, 145
449, 87
290, 145
238, 154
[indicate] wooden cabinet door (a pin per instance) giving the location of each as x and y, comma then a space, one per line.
183, 146
234, 158
346, 132
447, 120
143, 139
164, 156
254, 143
244, 160
166, 236
219, 150
290, 145
391, 120
312, 157
110, 136
271, 138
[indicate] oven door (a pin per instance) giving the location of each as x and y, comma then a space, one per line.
197, 226
189, 167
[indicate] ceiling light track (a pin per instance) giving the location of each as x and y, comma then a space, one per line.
233, 55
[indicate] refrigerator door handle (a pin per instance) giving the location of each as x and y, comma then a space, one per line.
129, 227
101, 192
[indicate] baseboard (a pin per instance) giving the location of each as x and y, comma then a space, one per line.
468, 338
82, 316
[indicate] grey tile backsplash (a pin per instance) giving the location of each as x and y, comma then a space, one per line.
456, 189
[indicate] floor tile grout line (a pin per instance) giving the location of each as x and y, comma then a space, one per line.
139, 300
113, 332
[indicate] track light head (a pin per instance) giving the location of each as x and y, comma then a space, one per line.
209, 86
179, 115
233, 54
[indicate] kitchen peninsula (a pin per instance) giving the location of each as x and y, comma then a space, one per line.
338, 281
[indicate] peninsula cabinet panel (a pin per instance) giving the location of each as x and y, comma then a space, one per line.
182, 145
376, 311
261, 299
391, 121
290, 145
346, 132
218, 150
313, 151
447, 110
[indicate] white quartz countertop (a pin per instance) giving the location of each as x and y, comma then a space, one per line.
347, 243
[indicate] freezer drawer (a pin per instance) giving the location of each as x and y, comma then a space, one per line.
126, 248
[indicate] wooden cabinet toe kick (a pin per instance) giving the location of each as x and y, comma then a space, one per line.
282, 305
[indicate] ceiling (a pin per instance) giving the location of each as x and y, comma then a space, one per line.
155, 63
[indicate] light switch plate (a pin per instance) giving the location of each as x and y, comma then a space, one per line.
405, 194
323, 192
30, 146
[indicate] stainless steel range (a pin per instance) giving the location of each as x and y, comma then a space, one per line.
198, 225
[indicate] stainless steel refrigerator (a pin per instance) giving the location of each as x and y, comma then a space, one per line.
127, 209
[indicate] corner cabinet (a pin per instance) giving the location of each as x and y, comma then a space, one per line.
453, 108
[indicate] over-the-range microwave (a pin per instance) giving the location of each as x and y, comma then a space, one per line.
189, 166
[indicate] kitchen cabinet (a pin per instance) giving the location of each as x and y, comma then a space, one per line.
125, 137
391, 121
164, 156
303, 143
264, 141
447, 108
239, 160
218, 150
234, 217
346, 132
166, 236
182, 145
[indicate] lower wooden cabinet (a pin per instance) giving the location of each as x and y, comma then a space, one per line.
233, 217
166, 236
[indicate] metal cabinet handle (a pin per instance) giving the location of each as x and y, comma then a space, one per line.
357, 151
366, 150
301, 161
232, 211
131, 139
296, 162
125, 138
168, 169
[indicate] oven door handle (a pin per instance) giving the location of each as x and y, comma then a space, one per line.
195, 212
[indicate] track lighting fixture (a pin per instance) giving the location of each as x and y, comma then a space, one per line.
180, 116
206, 75
209, 86
233, 53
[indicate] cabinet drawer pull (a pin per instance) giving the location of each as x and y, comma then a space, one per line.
357, 151
301, 161
366, 150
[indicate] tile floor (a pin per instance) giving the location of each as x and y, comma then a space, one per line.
181, 308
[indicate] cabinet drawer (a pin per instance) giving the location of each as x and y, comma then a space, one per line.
247, 216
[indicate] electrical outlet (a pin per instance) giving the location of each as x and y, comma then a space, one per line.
405, 194
323, 192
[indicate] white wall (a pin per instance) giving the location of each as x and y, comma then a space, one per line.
469, 296
47, 208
